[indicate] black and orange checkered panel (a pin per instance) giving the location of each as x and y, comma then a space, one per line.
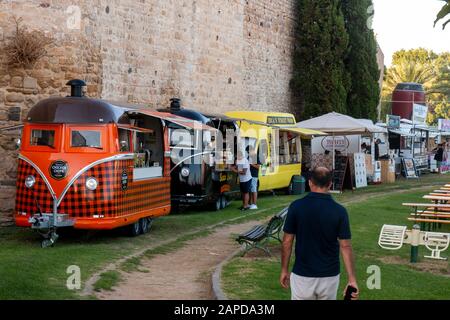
82, 202
26, 198
110, 199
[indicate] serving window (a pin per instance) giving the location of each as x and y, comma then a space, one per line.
290, 148
124, 140
145, 139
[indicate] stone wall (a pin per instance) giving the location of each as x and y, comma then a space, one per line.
214, 55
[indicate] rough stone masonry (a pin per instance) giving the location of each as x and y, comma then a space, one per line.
215, 55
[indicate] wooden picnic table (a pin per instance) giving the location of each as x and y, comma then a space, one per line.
432, 216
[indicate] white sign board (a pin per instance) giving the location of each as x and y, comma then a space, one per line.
360, 170
420, 113
342, 144
444, 125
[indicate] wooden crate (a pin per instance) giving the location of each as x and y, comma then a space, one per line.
387, 176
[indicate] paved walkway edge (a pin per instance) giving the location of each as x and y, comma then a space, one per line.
217, 277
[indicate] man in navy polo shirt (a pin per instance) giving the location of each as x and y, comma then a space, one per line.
321, 229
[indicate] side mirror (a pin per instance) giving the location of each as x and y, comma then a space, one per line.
18, 142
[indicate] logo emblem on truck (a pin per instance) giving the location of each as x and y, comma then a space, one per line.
59, 169
124, 180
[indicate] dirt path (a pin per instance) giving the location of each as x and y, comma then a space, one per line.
186, 272
183, 274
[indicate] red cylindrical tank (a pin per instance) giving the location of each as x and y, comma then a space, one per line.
404, 97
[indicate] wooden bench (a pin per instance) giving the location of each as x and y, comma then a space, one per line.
428, 205
259, 236
437, 214
442, 191
438, 198
429, 220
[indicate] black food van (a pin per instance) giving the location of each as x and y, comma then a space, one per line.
201, 173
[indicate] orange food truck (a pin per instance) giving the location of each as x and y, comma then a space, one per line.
90, 164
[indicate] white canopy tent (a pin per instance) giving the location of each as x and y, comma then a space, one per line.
339, 124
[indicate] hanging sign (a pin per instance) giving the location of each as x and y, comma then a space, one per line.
420, 113
444, 125
393, 122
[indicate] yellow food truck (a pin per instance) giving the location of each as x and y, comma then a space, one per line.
276, 138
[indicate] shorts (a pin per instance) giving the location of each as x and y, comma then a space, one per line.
246, 186
254, 185
304, 288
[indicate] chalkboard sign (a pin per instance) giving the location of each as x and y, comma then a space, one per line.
409, 169
341, 175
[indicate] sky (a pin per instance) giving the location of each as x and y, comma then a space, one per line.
408, 24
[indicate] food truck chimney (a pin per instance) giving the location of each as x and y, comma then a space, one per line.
76, 87
175, 104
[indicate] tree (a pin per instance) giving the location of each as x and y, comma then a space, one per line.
361, 62
427, 68
320, 81
445, 12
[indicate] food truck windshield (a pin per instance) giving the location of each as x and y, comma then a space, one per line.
64, 138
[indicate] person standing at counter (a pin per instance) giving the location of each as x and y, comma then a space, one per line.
377, 149
255, 164
439, 156
242, 167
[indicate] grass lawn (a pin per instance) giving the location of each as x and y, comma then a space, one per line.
256, 276
29, 272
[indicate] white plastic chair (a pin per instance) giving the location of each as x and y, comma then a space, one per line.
436, 242
392, 237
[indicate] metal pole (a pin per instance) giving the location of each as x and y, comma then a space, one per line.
415, 241
334, 154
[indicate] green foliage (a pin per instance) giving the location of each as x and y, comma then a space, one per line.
445, 12
107, 281
422, 66
320, 82
361, 62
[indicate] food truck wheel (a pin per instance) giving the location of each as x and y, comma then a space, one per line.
134, 229
223, 202
146, 224
217, 205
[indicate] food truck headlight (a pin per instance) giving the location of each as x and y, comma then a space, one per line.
30, 181
91, 183
185, 172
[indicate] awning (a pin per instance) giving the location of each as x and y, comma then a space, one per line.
183, 122
402, 133
304, 132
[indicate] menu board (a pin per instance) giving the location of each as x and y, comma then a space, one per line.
409, 168
341, 175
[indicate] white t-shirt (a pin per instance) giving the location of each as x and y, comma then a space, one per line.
244, 164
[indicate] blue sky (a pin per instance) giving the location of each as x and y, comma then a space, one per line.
407, 24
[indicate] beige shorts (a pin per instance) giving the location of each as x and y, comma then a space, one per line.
303, 288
